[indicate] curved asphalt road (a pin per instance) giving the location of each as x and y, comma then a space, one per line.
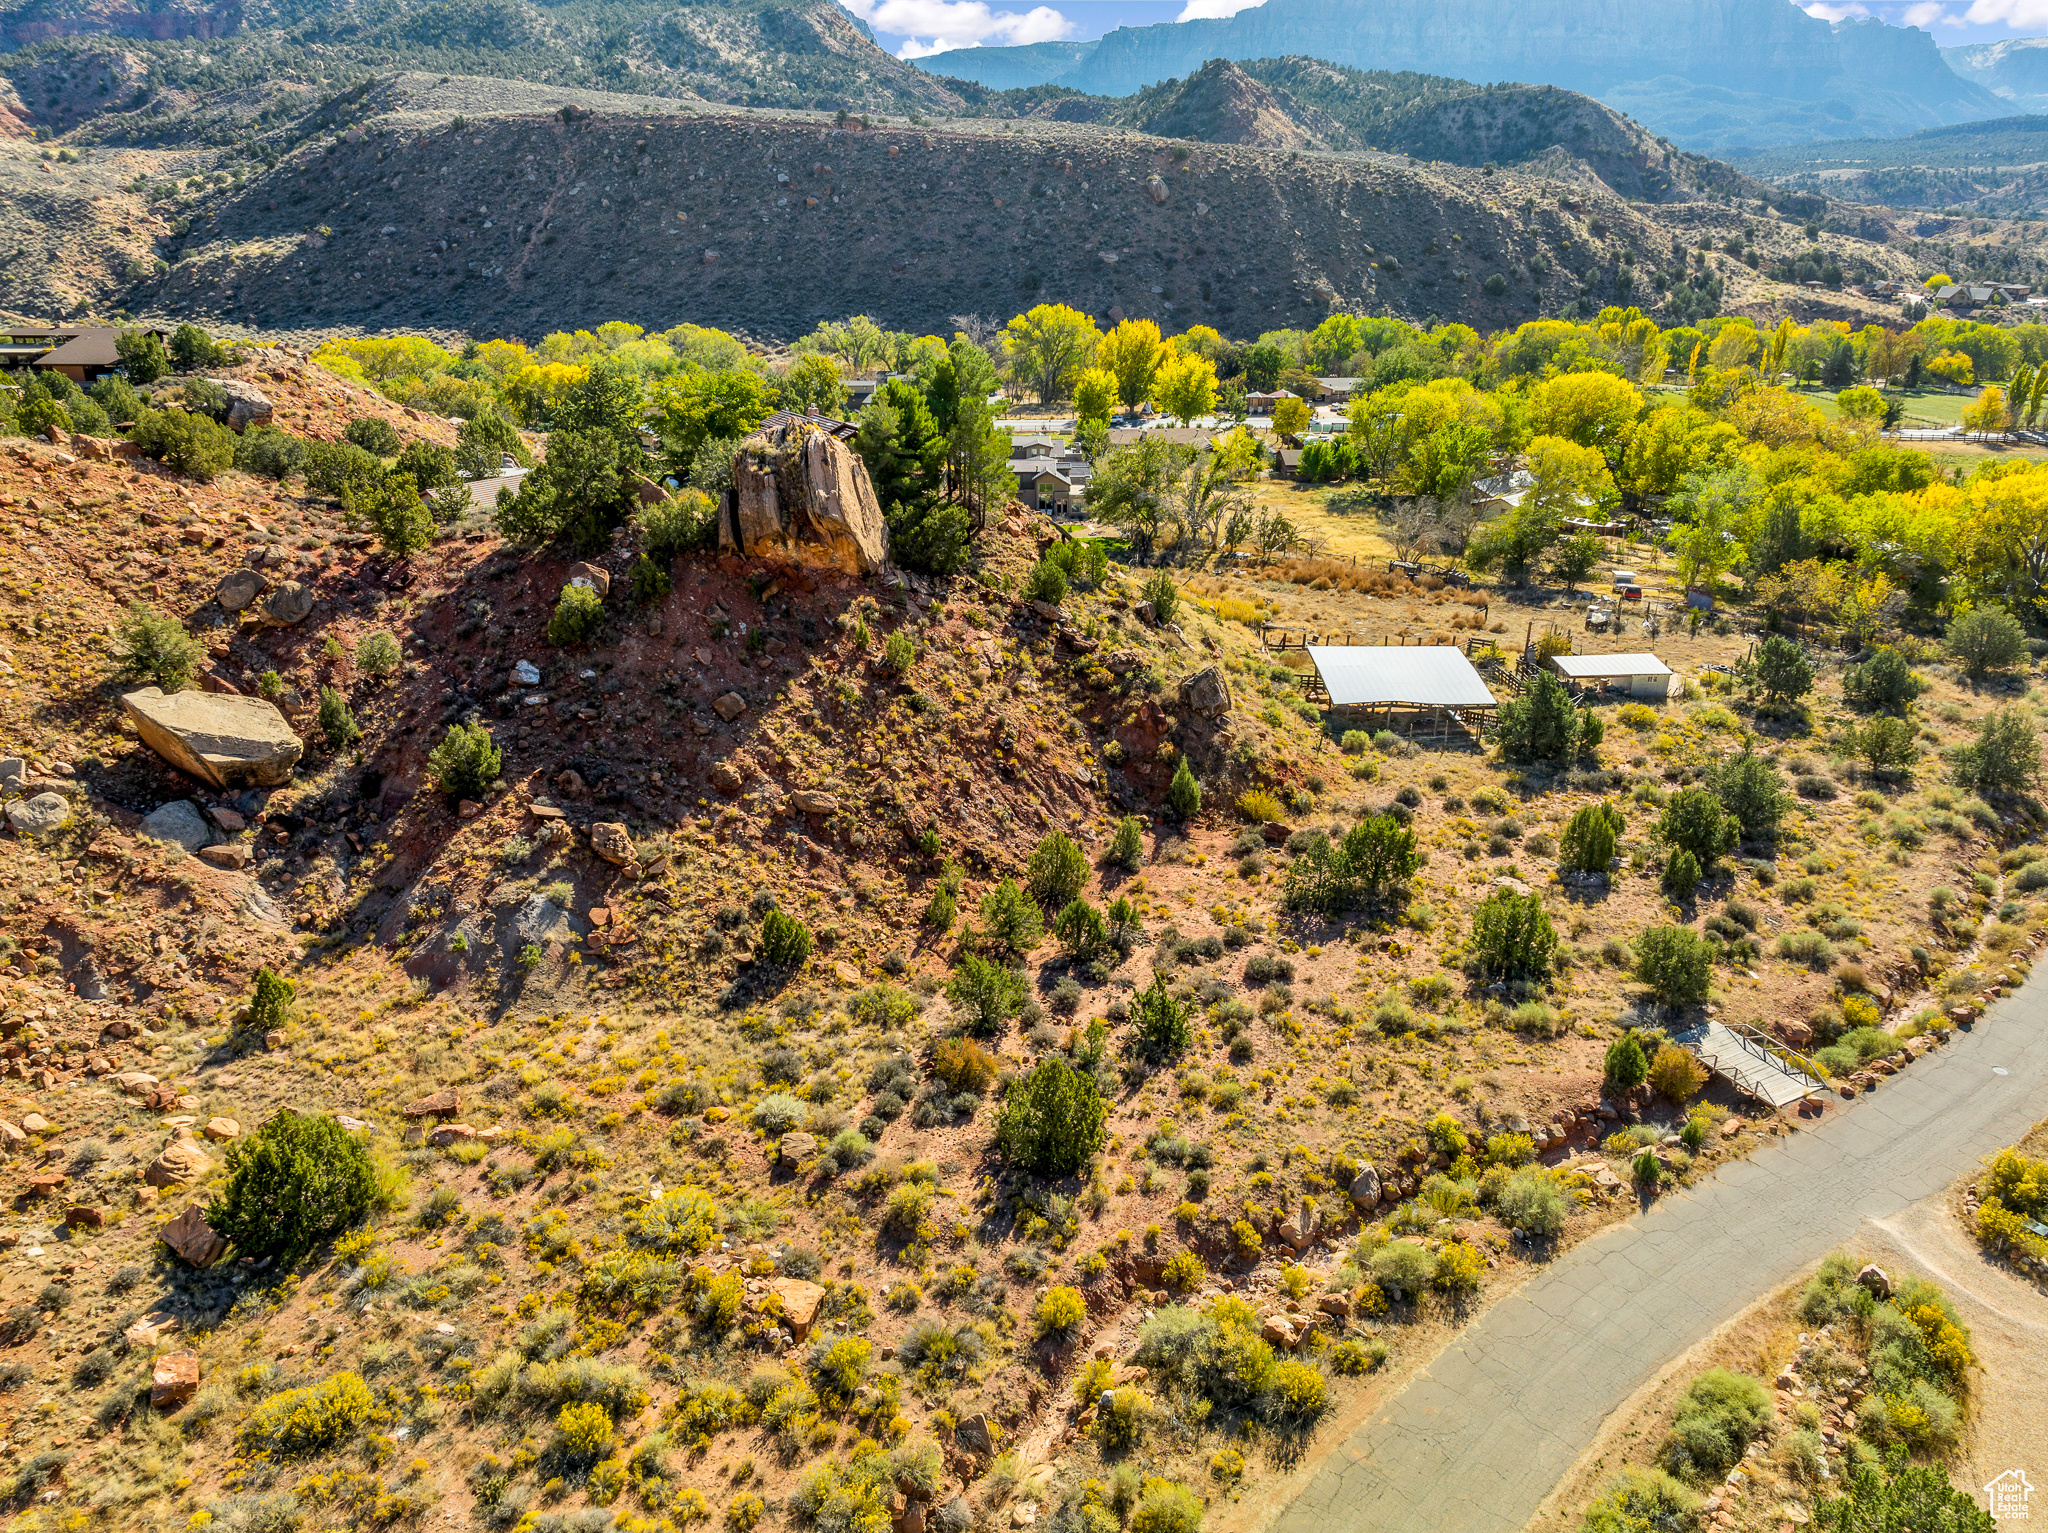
1476, 1441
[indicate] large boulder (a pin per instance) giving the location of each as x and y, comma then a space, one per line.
39, 815
247, 405
800, 1301
1365, 1187
182, 1161
178, 821
238, 588
229, 742
614, 843
798, 491
289, 603
1206, 693
173, 1379
195, 1241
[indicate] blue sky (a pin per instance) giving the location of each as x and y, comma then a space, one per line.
918, 28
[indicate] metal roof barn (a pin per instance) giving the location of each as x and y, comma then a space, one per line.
1398, 676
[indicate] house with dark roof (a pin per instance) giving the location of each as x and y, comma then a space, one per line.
80, 355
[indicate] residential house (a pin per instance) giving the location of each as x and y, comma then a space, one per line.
1049, 472
82, 355
1502, 492
1337, 391
1188, 436
1061, 489
1264, 404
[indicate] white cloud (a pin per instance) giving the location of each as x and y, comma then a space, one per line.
2020, 15
1822, 10
1928, 13
939, 26
1212, 10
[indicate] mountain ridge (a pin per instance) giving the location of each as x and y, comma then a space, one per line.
1738, 64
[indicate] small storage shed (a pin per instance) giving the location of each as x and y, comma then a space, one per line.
1638, 675
1413, 689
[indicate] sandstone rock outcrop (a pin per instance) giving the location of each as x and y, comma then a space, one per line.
230, 742
195, 1241
799, 492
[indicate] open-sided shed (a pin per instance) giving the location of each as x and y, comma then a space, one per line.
1639, 675
1413, 688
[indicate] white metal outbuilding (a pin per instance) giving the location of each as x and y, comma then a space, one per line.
1640, 675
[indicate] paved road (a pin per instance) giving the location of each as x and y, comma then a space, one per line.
1476, 1441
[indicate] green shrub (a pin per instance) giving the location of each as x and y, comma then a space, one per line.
373, 434
155, 649
785, 941
649, 580
1589, 840
143, 357
341, 470
377, 654
1783, 673
1718, 1415
191, 444
337, 720
1753, 790
483, 443
1164, 1024
1674, 961
295, 1181
465, 764
1532, 1200
1052, 1120
270, 1002
1127, 846
1047, 582
1404, 1266
1164, 596
1011, 920
1895, 1493
1056, 873
1986, 639
1638, 1500
1884, 683
1696, 821
1375, 859
898, 653
1184, 794
987, 994
1512, 937
1079, 927
1540, 725
1681, 874
1626, 1065
672, 527
192, 348
269, 452
883, 1005
2004, 758
578, 615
